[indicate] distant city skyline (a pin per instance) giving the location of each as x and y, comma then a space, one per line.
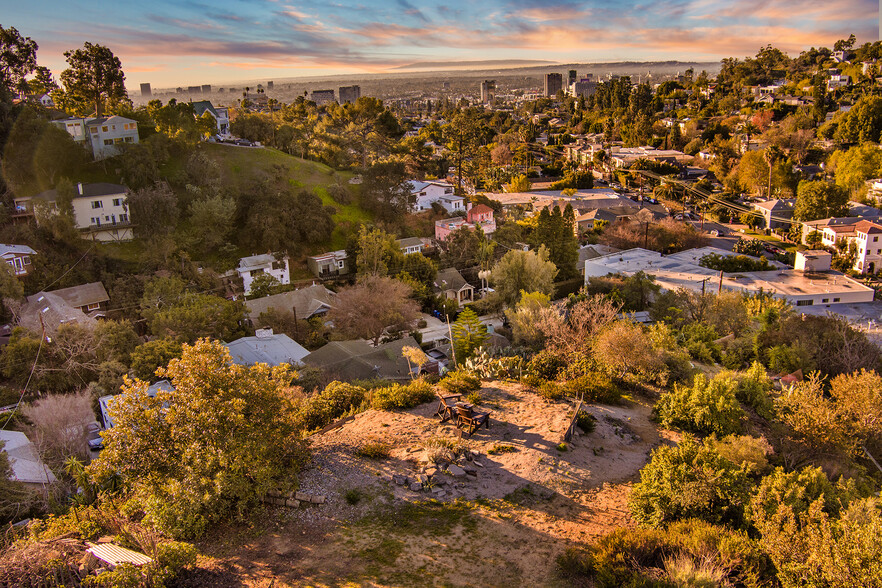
185, 42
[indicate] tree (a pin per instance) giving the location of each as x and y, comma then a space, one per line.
375, 304
624, 350
524, 318
863, 123
690, 480
42, 82
857, 165
18, 58
519, 183
384, 190
556, 231
210, 448
818, 199
377, 250
153, 354
468, 335
95, 79
154, 210
199, 315
523, 271
212, 220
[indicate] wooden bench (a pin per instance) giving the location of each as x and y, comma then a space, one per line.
468, 420
447, 406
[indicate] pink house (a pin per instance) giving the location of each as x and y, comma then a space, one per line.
477, 216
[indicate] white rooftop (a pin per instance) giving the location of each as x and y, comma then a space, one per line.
26, 464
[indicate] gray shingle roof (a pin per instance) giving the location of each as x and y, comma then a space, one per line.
79, 296
352, 360
273, 350
307, 301
450, 279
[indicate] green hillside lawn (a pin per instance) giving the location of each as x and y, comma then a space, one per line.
241, 162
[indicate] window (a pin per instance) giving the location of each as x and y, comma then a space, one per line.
97, 204
103, 129
875, 239
95, 306
94, 130
108, 141
825, 300
256, 272
123, 218
129, 140
835, 300
17, 263
805, 302
341, 264
117, 201
26, 260
118, 140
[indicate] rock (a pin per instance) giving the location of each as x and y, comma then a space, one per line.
416, 486
431, 471
292, 502
478, 463
318, 499
400, 480
423, 478
455, 470
302, 496
438, 493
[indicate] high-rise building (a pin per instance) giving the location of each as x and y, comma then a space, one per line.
179, 90
488, 90
349, 94
584, 87
553, 84
146, 92
269, 85
194, 89
206, 88
322, 96
571, 76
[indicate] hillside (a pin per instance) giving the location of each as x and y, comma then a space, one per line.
520, 500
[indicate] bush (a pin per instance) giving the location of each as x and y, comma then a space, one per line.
402, 396
340, 194
474, 398
334, 401
594, 387
705, 407
374, 450
460, 383
691, 480
352, 496
751, 453
753, 390
551, 391
444, 450
545, 365
586, 421
681, 555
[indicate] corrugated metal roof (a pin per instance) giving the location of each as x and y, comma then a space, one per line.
113, 555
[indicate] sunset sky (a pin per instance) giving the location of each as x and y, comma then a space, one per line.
185, 42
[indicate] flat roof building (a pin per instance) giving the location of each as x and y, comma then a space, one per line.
681, 270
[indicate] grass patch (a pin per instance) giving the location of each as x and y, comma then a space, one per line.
353, 496
500, 449
562, 447
419, 518
374, 450
442, 449
384, 553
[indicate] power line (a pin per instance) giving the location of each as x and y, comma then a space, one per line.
31, 375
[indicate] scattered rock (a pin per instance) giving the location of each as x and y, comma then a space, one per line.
455, 470
423, 478
438, 492
416, 486
292, 502
431, 471
478, 463
318, 500
400, 480
302, 496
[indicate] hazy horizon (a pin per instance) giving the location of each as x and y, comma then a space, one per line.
187, 43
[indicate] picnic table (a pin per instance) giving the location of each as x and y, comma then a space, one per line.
469, 420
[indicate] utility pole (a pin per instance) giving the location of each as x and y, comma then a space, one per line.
450, 333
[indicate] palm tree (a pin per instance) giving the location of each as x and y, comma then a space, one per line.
771, 155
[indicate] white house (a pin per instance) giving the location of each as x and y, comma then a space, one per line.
251, 267
100, 210
424, 194
410, 245
102, 136
220, 114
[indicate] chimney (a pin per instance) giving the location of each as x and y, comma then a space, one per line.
80, 188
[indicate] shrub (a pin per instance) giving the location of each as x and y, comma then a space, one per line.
691, 480
474, 398
594, 387
499, 449
374, 450
586, 421
402, 396
546, 365
334, 401
677, 556
751, 453
551, 391
460, 383
352, 496
705, 407
441, 449
340, 194
753, 390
